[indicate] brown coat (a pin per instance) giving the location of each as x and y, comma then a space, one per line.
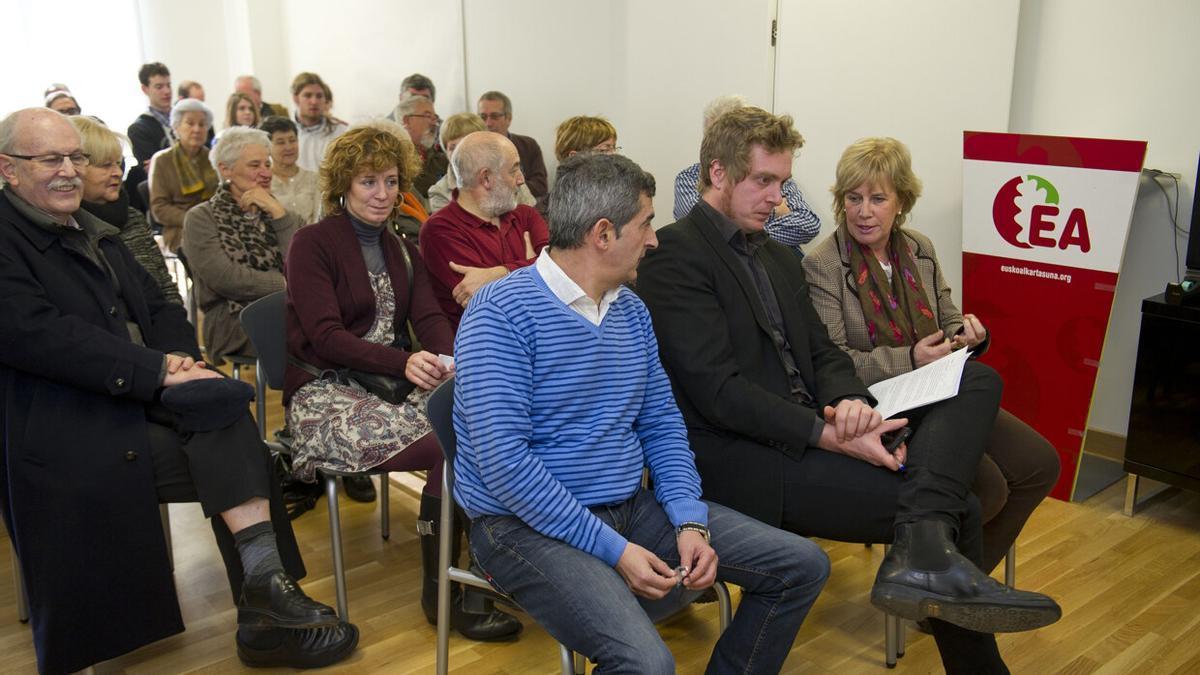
168, 205
835, 297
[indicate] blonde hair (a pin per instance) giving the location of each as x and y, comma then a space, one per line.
97, 141
876, 161
581, 133
730, 138
458, 125
721, 105
370, 147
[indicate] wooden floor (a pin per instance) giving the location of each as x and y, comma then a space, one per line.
1129, 588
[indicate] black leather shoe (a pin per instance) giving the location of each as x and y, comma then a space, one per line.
484, 624
359, 488
280, 603
952, 589
296, 648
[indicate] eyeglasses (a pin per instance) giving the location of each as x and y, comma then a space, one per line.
495, 116
607, 149
53, 161
427, 115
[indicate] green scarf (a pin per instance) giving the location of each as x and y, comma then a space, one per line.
896, 311
195, 174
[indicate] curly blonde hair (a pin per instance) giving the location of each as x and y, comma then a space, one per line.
366, 148
878, 161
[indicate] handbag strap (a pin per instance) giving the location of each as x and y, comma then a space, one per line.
338, 375
408, 264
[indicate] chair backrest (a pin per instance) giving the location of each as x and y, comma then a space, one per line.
265, 325
440, 409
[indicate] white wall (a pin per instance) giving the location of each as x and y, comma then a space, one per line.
1115, 69
639, 64
364, 49
920, 72
91, 47
192, 40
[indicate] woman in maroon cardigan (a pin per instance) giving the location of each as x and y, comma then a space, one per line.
352, 290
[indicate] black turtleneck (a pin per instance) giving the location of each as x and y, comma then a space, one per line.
368, 239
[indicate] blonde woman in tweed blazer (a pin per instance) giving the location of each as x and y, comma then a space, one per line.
1020, 466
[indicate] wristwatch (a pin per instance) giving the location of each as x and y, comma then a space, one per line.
693, 527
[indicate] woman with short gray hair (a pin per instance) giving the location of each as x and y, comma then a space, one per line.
180, 176
236, 241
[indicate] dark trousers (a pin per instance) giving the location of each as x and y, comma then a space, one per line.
220, 469
1018, 471
837, 497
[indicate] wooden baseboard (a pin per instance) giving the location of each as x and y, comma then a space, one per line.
1104, 444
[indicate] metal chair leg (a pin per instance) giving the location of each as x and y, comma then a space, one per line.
335, 537
724, 605
19, 587
893, 632
889, 634
384, 512
443, 613
1010, 566
566, 659
260, 398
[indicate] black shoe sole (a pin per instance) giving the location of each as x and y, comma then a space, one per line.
253, 616
915, 605
282, 657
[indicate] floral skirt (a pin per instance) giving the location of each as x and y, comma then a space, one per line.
342, 427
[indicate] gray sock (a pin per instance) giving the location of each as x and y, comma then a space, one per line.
260, 556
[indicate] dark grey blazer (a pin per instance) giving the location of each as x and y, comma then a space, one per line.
728, 377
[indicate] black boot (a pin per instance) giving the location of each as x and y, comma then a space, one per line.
359, 488
489, 625
924, 576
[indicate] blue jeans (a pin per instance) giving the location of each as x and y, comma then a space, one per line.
584, 603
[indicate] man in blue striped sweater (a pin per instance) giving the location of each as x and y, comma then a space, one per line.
561, 402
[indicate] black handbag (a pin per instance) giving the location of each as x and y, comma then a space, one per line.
389, 388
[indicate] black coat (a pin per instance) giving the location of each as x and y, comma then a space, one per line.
147, 137
77, 487
729, 380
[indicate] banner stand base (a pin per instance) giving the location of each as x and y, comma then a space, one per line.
1095, 474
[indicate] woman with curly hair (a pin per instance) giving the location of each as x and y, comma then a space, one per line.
353, 290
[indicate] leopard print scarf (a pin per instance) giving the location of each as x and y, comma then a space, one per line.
247, 238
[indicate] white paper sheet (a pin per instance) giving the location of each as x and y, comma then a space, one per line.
930, 383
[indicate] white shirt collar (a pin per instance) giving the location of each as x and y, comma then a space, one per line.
570, 293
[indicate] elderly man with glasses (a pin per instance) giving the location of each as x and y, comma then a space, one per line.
418, 118
496, 110
107, 412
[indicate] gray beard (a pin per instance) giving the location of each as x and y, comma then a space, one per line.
497, 203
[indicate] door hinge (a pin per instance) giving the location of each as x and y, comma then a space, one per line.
774, 31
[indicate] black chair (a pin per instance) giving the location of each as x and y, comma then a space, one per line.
440, 408
264, 323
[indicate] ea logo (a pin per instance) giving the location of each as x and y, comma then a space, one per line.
1031, 202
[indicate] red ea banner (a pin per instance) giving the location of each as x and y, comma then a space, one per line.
1045, 220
